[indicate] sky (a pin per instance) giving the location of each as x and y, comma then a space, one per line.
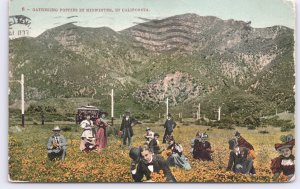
261, 13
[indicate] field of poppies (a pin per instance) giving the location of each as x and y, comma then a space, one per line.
28, 155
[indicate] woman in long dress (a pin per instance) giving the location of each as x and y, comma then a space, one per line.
176, 158
101, 137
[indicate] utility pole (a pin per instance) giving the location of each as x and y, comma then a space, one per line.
112, 107
199, 116
180, 117
22, 99
219, 113
167, 107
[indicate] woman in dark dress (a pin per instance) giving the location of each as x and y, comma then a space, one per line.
285, 163
202, 148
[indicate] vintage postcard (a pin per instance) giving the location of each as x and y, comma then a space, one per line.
108, 91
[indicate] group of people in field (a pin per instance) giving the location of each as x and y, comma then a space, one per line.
93, 137
147, 157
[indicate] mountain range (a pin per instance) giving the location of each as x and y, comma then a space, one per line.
188, 58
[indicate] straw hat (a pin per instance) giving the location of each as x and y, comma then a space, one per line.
56, 128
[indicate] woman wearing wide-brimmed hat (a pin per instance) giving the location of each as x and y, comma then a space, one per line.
57, 145
285, 163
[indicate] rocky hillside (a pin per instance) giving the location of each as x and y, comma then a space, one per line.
187, 58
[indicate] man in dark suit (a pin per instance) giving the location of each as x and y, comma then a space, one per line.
126, 128
149, 163
169, 125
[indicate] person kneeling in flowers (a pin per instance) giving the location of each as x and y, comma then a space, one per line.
57, 145
239, 162
176, 157
201, 148
144, 162
242, 142
285, 163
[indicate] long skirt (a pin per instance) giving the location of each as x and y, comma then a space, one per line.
101, 139
179, 161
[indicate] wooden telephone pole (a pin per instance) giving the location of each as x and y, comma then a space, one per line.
112, 107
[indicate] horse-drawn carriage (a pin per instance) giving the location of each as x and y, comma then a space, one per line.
83, 111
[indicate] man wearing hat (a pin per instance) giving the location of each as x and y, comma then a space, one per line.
135, 156
57, 145
126, 127
285, 163
169, 125
239, 162
149, 135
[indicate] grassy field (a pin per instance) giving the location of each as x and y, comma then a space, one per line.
28, 155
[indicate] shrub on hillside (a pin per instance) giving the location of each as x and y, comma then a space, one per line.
66, 128
264, 132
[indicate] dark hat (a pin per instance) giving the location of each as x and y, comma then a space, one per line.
287, 142
134, 154
156, 134
237, 134
169, 115
127, 113
232, 144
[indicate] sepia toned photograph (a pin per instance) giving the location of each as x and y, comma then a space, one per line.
177, 91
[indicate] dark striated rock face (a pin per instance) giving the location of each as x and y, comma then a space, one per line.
183, 57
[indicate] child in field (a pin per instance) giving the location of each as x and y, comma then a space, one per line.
285, 163
149, 135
